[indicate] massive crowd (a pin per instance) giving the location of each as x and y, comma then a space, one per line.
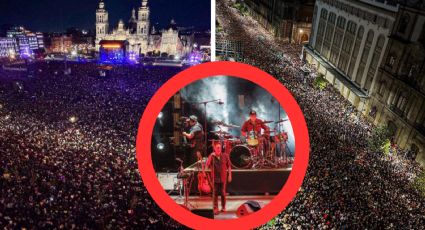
346, 186
67, 147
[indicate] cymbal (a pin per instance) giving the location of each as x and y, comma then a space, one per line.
229, 139
221, 123
281, 120
217, 122
220, 132
232, 126
266, 122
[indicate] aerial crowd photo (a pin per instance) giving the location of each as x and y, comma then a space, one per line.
77, 79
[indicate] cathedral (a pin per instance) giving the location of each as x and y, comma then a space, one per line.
136, 34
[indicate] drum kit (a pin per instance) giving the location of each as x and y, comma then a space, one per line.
257, 150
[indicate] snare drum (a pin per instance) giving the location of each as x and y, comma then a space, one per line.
252, 139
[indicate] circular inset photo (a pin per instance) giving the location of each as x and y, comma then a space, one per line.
217, 149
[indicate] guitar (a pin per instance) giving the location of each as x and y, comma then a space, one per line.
203, 184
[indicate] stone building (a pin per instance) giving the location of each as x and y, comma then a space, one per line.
398, 99
138, 35
365, 49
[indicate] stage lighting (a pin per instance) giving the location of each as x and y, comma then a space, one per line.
160, 115
160, 146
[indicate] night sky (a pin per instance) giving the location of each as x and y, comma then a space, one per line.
57, 15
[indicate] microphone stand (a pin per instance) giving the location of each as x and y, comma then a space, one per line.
205, 120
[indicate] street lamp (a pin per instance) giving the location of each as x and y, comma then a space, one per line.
73, 119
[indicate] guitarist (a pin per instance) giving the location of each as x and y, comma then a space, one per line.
195, 138
221, 169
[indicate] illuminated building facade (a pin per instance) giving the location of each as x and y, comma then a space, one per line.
8, 47
137, 34
140, 39
61, 44
26, 43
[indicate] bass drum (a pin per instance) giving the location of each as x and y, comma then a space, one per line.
240, 157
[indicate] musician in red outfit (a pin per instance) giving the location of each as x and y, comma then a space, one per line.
251, 129
221, 169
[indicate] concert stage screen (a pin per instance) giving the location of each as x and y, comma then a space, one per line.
112, 52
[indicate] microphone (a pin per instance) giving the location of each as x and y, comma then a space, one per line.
220, 102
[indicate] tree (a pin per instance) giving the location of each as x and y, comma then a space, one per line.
320, 82
419, 183
380, 140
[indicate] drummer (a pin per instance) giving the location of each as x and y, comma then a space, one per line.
251, 128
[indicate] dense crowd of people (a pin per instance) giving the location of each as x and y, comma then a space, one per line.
67, 147
346, 186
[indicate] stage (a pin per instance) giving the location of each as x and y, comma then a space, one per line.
249, 181
204, 204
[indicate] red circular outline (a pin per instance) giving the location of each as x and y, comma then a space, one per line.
211, 69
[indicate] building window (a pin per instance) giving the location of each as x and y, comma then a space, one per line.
377, 54
412, 71
401, 102
373, 111
332, 17
360, 33
404, 22
324, 14
381, 89
391, 60
351, 27
341, 22
422, 36
364, 57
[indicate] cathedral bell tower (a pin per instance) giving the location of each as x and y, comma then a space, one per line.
143, 19
102, 24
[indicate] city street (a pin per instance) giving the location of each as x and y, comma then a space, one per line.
347, 185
